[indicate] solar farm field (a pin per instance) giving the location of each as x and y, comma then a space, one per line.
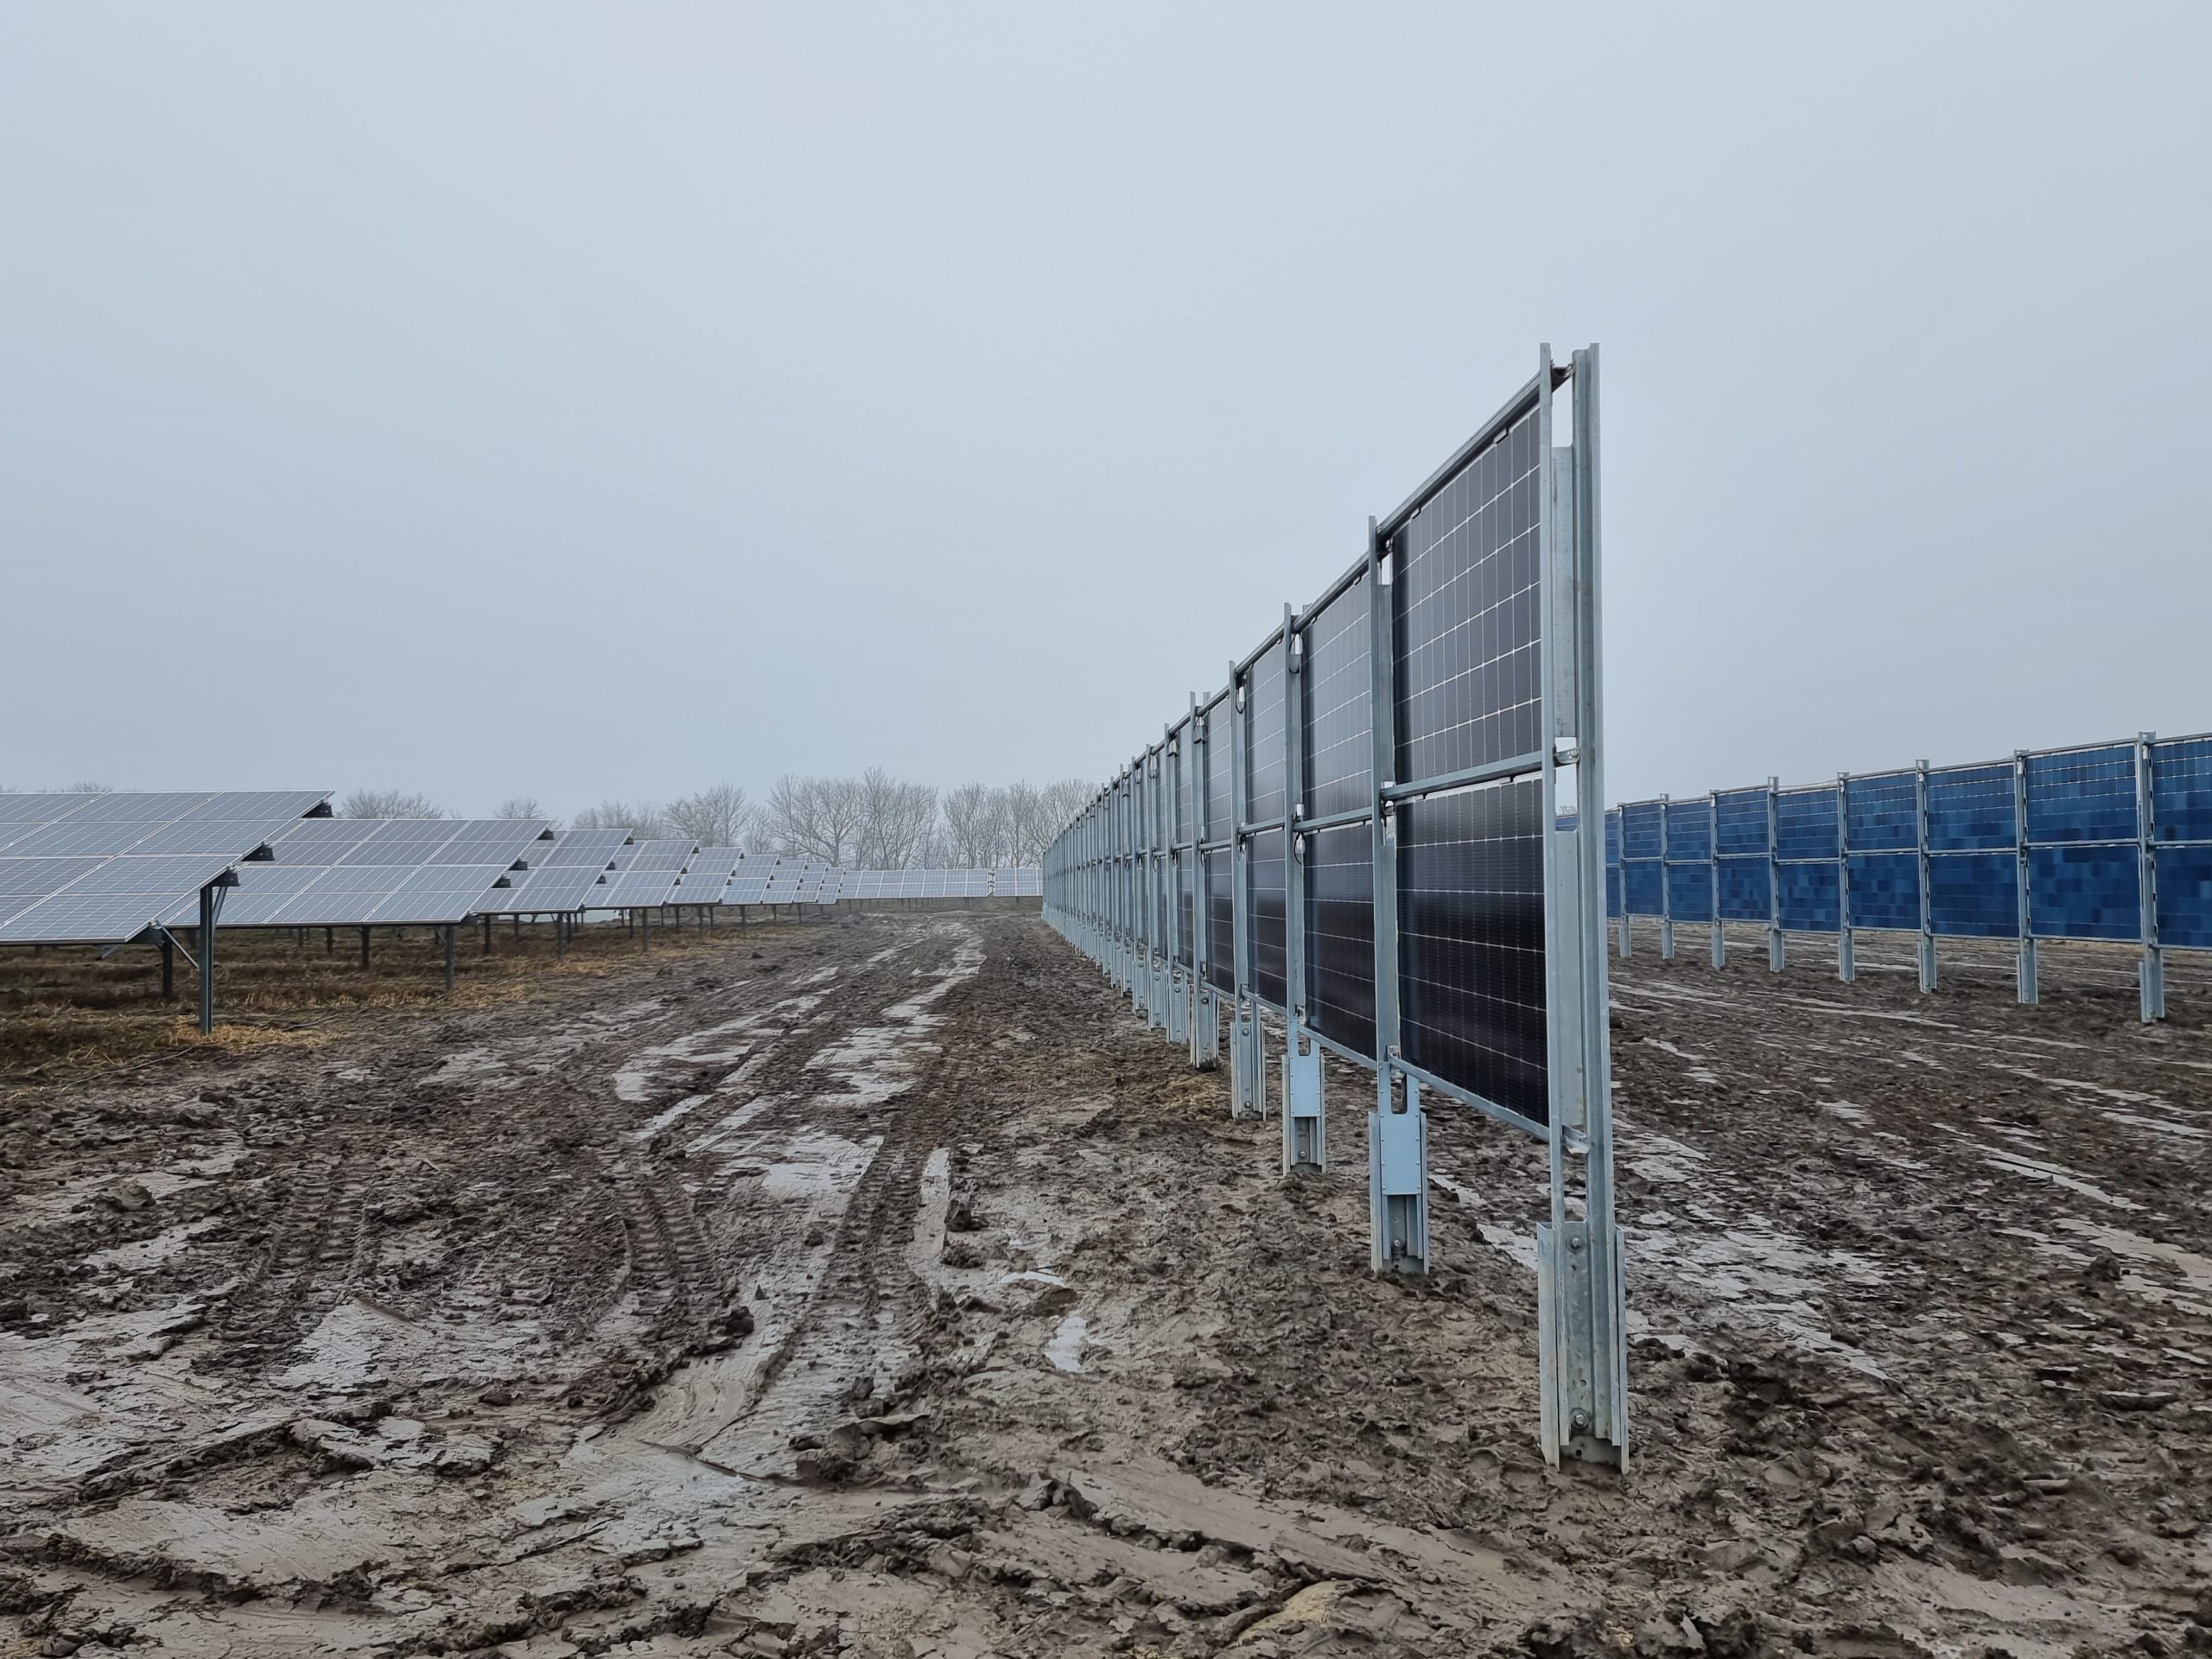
877, 1286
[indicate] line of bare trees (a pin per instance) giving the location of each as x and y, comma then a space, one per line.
873, 822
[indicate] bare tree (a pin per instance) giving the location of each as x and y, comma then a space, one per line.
641, 818
896, 820
388, 804
967, 813
817, 817
1059, 803
520, 807
1027, 833
720, 817
91, 789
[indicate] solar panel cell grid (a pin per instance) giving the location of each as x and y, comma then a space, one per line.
1470, 942
1468, 610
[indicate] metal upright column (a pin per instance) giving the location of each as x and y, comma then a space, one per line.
1666, 882
1305, 1133
1205, 1006
1775, 947
2152, 972
168, 966
1248, 1089
1712, 877
1175, 768
2025, 976
1397, 1133
1928, 964
211, 904
1581, 1277
1846, 959
1622, 868
449, 932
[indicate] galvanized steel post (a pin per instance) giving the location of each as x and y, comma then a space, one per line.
2025, 977
1775, 949
1928, 963
1666, 882
1712, 877
2151, 972
1247, 1088
1846, 959
1305, 1136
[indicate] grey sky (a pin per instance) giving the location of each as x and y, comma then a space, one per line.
582, 401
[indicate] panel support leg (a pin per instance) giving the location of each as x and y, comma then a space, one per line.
329, 941
1846, 958
1622, 928
1304, 1129
1720, 941
1397, 1176
450, 931
1581, 1354
2151, 971
1247, 1088
1178, 1008
1665, 939
487, 933
1205, 1029
208, 901
2029, 991
168, 968
1777, 951
365, 950
1929, 968
646, 929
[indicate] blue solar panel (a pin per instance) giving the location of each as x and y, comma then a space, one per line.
1970, 808
1810, 897
1805, 823
1741, 815
2185, 896
1689, 830
2181, 789
1881, 814
1642, 879
1745, 890
1689, 891
2083, 795
1975, 895
1640, 830
1612, 890
2084, 893
1886, 891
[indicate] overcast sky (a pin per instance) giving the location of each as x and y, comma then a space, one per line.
576, 401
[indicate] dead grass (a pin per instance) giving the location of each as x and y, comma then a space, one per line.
65, 1011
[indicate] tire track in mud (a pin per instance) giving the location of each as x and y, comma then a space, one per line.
855, 1329
311, 1260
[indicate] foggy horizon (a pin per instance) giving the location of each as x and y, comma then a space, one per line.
580, 404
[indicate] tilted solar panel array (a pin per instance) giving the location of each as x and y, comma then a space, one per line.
97, 868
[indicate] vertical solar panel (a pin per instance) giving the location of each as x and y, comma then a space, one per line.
1881, 814
1467, 598
2181, 789
1180, 768
1746, 890
1640, 830
1221, 923
1263, 739
1186, 900
1264, 871
1810, 898
2083, 795
1643, 886
2185, 897
1689, 891
1689, 831
1218, 760
1470, 942
1339, 741
1975, 895
1739, 823
1970, 808
1340, 936
1806, 824
2084, 893
1886, 891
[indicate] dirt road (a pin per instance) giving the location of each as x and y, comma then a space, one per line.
883, 1287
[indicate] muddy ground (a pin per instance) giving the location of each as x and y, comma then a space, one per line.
882, 1286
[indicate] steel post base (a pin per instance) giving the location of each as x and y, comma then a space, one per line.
1205, 1029
1178, 1008
1929, 972
1305, 1128
2151, 974
1581, 1346
1397, 1177
1248, 1089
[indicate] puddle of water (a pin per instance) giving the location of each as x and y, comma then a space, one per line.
2156, 1125
1845, 1110
1034, 1276
152, 1252
2195, 1270
1065, 1351
2057, 1174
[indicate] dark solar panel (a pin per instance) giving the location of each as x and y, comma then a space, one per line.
1467, 594
1339, 741
1340, 936
1470, 942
